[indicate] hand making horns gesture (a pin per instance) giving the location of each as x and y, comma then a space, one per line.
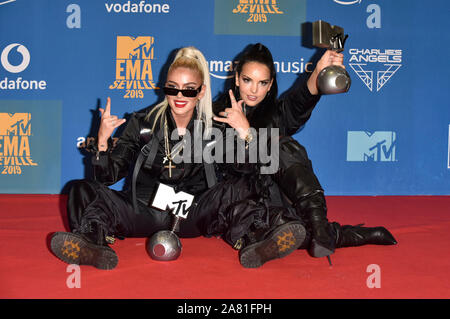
108, 124
234, 117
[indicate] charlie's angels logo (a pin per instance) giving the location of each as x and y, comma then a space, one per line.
134, 65
257, 10
375, 67
15, 132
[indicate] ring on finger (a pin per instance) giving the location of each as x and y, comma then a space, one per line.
225, 114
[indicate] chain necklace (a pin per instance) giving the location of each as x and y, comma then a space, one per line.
170, 154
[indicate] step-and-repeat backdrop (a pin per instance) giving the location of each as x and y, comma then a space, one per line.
60, 60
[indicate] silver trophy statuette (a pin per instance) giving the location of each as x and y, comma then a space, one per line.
332, 79
165, 245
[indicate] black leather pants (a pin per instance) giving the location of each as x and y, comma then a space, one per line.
92, 202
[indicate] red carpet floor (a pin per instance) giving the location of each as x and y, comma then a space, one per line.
418, 267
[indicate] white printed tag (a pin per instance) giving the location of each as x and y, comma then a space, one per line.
167, 199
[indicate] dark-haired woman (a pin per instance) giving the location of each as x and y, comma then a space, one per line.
252, 102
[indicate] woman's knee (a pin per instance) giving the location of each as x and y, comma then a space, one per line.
292, 152
83, 188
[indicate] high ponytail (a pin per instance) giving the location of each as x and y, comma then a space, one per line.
191, 58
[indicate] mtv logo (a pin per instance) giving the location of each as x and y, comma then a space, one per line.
167, 199
364, 146
15, 124
139, 48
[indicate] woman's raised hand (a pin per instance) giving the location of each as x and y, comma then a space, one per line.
330, 57
108, 124
235, 117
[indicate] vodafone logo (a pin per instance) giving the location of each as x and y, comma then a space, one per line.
25, 58
15, 58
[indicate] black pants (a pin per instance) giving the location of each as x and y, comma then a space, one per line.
217, 212
241, 204
244, 201
92, 202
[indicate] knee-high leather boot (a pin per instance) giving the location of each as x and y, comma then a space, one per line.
298, 182
309, 202
314, 211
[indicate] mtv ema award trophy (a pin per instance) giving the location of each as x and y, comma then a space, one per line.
332, 79
165, 244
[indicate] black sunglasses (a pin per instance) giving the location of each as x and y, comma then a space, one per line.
186, 92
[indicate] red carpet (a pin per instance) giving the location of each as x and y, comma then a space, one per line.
208, 268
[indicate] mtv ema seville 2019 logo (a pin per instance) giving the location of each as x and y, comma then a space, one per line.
257, 10
15, 132
262, 17
134, 65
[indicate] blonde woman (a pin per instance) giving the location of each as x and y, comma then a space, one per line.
97, 214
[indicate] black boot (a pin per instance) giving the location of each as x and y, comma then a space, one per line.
352, 236
88, 248
314, 211
260, 246
300, 185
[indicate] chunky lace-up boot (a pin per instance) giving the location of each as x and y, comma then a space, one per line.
88, 248
260, 246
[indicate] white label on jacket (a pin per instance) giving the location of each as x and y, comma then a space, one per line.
167, 199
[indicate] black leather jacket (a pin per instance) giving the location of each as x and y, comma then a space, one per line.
116, 163
289, 113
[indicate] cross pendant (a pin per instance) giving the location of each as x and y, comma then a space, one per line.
170, 166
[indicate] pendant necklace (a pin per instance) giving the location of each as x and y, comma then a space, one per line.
170, 154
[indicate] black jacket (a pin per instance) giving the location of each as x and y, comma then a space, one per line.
247, 198
288, 114
116, 163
